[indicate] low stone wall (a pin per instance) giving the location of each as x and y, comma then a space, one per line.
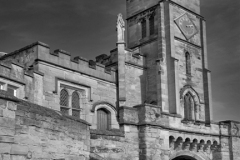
115, 145
29, 131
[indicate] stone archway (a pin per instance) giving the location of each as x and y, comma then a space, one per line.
184, 158
186, 155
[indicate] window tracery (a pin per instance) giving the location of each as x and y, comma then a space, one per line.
70, 103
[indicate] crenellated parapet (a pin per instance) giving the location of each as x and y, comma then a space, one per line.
63, 59
24, 79
40, 52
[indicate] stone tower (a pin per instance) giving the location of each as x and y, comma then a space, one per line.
171, 35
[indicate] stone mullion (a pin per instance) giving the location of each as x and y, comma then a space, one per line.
82, 106
70, 101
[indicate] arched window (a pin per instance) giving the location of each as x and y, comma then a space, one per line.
64, 99
188, 64
75, 105
189, 107
151, 25
144, 28
103, 119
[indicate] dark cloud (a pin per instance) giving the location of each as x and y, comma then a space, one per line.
87, 28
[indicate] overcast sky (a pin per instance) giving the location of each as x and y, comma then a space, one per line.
87, 28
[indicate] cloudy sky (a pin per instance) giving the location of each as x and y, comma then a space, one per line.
87, 28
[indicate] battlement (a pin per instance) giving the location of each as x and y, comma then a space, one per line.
40, 52
104, 67
17, 72
22, 78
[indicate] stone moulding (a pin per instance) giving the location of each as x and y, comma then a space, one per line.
103, 103
151, 115
57, 79
25, 48
190, 154
112, 132
83, 73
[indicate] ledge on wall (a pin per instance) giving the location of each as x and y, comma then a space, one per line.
112, 132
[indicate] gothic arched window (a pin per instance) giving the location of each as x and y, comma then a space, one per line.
144, 28
188, 64
151, 25
103, 119
75, 105
189, 107
64, 99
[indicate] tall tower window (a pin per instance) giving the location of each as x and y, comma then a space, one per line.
144, 28
188, 64
151, 25
189, 107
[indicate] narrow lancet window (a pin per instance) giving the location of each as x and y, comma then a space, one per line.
75, 105
64, 99
151, 25
144, 28
189, 107
188, 64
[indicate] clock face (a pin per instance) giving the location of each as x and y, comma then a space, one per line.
186, 25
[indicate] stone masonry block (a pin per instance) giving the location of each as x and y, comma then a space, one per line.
31, 122
6, 157
6, 139
19, 150
9, 114
12, 106
7, 122
16, 157
5, 148
3, 103
5, 131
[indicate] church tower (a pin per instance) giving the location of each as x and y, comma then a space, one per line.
171, 35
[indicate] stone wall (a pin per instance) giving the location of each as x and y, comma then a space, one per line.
29, 131
115, 144
165, 136
135, 73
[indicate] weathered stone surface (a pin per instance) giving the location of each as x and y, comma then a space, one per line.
19, 150
141, 90
12, 106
